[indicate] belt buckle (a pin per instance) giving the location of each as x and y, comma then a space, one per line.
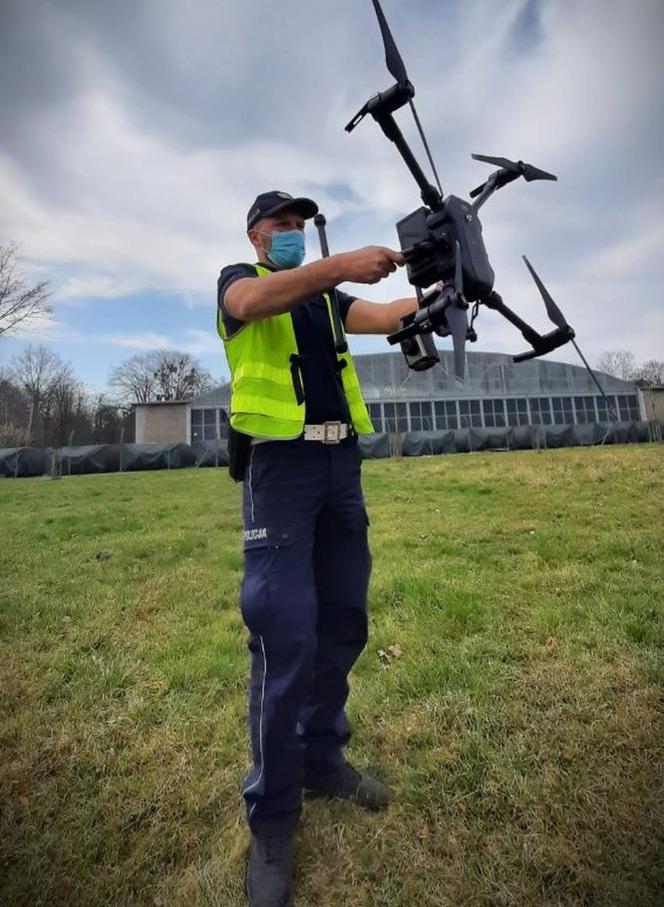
331, 432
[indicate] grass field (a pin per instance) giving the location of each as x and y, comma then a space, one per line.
521, 727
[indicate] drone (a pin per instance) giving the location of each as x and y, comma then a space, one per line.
442, 242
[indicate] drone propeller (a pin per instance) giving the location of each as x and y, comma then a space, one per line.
510, 170
456, 318
552, 310
528, 172
559, 320
458, 325
392, 56
397, 68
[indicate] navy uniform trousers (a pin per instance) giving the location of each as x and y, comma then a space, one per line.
304, 601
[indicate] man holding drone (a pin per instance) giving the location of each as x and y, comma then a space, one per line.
296, 411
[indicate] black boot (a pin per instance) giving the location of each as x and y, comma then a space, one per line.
346, 782
270, 865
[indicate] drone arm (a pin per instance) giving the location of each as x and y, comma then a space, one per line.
547, 343
483, 192
384, 102
541, 343
496, 181
495, 301
430, 195
382, 107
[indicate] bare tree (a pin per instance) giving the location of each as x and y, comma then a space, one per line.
619, 363
160, 375
20, 302
13, 413
651, 373
43, 402
133, 381
111, 421
181, 377
37, 372
69, 416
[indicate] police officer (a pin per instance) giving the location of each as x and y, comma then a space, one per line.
297, 404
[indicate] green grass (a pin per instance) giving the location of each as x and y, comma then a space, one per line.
521, 729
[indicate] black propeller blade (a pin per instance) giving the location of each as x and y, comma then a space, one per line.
528, 172
552, 309
498, 161
392, 56
457, 321
559, 320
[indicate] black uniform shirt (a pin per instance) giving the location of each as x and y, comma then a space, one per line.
324, 396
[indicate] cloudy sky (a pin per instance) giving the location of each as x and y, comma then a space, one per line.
135, 135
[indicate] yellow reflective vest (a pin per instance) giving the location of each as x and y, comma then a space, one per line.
266, 386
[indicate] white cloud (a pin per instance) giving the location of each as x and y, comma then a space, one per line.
147, 340
137, 178
635, 255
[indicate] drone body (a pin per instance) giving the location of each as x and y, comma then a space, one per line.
428, 240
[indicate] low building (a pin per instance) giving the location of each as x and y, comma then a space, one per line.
497, 392
652, 402
164, 422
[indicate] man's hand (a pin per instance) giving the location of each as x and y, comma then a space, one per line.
368, 265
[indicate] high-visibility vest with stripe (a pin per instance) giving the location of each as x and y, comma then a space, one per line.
267, 399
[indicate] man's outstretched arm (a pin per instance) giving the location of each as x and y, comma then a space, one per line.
249, 299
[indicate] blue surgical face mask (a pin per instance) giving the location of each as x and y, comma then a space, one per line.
287, 249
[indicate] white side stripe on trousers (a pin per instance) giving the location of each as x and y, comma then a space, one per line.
260, 728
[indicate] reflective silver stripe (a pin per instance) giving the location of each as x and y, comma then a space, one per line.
260, 728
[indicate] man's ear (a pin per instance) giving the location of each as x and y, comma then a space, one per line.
254, 236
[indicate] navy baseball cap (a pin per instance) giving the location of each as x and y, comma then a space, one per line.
269, 203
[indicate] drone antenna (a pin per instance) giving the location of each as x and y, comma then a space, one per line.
426, 146
611, 411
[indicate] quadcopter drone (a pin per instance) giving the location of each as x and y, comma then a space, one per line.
442, 241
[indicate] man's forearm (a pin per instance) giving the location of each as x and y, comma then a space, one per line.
366, 317
282, 291
396, 311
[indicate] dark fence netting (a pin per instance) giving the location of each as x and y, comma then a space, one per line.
16, 462
92, 458
522, 437
210, 453
375, 447
24, 461
157, 456
426, 443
